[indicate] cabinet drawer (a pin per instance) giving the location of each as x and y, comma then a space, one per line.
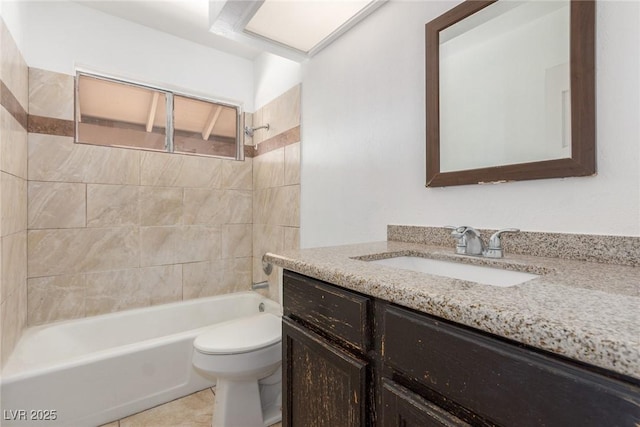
339, 313
505, 383
403, 408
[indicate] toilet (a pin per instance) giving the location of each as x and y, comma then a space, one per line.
244, 355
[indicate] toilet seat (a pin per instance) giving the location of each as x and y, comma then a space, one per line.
240, 335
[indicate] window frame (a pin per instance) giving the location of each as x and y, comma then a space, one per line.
169, 126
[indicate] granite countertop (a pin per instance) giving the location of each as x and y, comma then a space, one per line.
582, 310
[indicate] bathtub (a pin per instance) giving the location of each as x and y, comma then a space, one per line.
91, 371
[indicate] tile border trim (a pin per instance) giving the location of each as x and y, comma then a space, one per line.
622, 250
51, 126
283, 139
61, 127
12, 105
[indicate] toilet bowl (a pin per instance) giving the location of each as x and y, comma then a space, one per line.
244, 356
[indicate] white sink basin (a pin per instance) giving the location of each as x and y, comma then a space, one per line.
473, 273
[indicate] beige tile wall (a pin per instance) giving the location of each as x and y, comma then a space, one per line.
89, 230
13, 196
112, 228
282, 114
276, 184
86, 230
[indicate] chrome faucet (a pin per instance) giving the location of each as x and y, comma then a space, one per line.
474, 244
469, 241
495, 245
461, 240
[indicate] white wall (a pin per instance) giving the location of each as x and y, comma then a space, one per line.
60, 35
11, 15
363, 133
273, 76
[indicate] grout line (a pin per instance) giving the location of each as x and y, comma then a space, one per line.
181, 282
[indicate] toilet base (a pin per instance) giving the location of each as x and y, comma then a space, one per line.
272, 415
247, 403
237, 404
271, 397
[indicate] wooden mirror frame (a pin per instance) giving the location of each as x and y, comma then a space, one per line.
583, 109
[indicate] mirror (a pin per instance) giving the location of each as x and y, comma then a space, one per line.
510, 92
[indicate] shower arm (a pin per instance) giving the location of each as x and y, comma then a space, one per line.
250, 130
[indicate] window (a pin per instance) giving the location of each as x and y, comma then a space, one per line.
203, 127
123, 114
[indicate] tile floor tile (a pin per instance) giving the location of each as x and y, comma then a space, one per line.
194, 410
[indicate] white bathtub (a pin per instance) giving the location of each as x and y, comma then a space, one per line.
91, 371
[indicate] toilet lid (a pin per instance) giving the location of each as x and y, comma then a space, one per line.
240, 335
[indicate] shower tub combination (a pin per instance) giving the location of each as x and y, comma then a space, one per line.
90, 371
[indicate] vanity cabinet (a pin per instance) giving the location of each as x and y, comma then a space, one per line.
325, 339
352, 360
489, 381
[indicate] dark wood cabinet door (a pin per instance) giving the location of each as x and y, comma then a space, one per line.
503, 383
403, 408
325, 386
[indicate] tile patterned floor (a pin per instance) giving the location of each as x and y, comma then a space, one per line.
194, 410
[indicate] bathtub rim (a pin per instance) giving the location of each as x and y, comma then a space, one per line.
9, 375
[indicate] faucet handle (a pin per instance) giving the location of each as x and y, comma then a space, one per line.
494, 241
461, 240
495, 245
461, 230
456, 232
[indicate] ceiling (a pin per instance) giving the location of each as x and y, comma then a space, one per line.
301, 25
246, 28
187, 19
